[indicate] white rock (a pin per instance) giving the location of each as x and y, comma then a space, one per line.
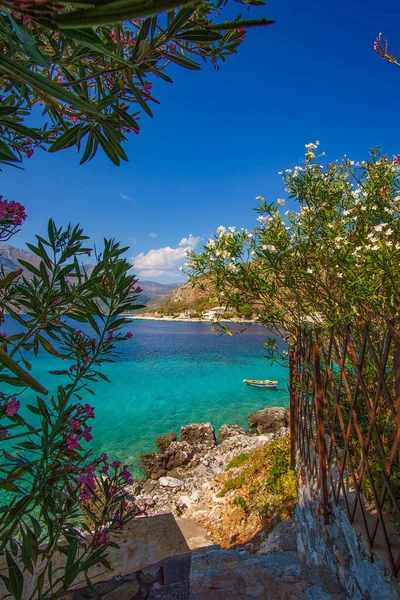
170, 482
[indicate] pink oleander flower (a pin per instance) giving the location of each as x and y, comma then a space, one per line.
73, 442
3, 432
87, 480
129, 335
126, 475
89, 410
74, 424
104, 468
116, 464
78, 332
73, 368
88, 252
397, 160
86, 434
102, 538
3, 334
87, 359
146, 89
12, 407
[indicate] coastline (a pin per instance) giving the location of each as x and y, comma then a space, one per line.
146, 317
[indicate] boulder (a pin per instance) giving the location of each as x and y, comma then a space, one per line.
176, 455
200, 436
227, 431
170, 482
269, 420
163, 441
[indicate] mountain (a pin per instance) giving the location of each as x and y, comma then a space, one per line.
153, 290
9, 257
187, 297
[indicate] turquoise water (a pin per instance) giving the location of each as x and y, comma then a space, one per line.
170, 374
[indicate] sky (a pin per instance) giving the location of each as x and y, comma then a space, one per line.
219, 138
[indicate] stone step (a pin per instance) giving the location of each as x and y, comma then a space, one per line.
218, 574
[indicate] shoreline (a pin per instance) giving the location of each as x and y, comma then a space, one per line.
184, 319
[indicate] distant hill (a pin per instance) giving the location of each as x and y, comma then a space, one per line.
152, 290
186, 297
9, 257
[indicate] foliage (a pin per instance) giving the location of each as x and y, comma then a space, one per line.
66, 83
56, 497
266, 483
333, 261
238, 461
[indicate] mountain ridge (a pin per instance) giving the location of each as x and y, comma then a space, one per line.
10, 256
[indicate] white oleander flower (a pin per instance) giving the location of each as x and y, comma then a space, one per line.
309, 271
232, 229
340, 275
378, 227
211, 243
260, 198
330, 225
363, 208
221, 230
281, 202
249, 235
181, 268
346, 212
389, 243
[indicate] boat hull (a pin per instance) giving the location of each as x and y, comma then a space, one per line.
260, 383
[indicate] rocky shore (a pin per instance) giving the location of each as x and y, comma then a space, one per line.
186, 475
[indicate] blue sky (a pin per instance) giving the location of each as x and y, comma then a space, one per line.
219, 138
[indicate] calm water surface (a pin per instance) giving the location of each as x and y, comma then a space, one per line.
171, 374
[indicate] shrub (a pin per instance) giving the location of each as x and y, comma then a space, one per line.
57, 497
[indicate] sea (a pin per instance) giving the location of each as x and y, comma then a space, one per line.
168, 375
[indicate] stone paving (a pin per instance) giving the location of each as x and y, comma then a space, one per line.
218, 574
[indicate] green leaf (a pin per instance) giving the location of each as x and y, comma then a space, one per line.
9, 278
69, 138
6, 154
25, 378
115, 11
15, 577
139, 98
181, 18
29, 43
15, 69
199, 35
183, 61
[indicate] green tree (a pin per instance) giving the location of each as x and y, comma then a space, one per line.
84, 72
57, 497
333, 261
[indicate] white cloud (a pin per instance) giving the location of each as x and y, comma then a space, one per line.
126, 197
190, 241
153, 235
164, 261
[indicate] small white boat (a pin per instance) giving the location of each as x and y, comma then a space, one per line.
261, 383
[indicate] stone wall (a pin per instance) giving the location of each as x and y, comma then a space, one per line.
340, 546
